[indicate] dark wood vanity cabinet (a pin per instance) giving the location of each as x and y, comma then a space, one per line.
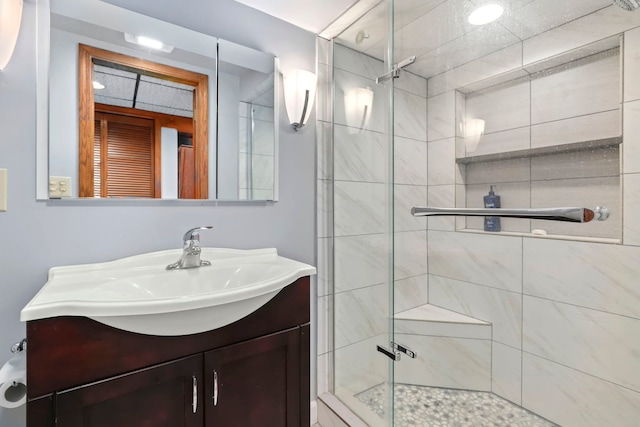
254, 372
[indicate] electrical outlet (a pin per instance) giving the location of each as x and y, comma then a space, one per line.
3, 190
59, 187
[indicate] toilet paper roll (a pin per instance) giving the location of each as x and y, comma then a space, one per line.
13, 381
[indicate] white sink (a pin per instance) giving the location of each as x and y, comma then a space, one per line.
138, 294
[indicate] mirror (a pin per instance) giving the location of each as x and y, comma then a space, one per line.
142, 109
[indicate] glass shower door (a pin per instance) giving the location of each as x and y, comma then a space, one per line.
515, 105
362, 194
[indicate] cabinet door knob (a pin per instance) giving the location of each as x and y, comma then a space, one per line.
215, 388
194, 398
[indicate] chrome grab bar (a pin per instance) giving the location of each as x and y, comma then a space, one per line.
552, 214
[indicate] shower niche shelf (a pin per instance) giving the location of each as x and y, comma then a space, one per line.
547, 134
574, 147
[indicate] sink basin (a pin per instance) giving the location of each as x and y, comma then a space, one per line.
138, 294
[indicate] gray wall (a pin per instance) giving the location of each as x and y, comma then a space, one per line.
35, 236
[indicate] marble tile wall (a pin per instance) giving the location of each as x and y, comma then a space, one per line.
565, 314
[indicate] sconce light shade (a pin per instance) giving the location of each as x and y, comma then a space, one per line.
473, 134
10, 18
358, 103
299, 94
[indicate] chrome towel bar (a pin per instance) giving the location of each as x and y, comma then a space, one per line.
551, 214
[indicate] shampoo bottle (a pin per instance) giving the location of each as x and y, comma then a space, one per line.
491, 223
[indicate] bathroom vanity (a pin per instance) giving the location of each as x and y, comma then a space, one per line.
252, 372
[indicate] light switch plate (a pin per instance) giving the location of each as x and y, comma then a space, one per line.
3, 190
59, 187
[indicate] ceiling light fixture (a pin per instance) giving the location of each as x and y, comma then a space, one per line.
486, 14
97, 85
148, 42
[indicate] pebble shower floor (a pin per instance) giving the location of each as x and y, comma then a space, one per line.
417, 406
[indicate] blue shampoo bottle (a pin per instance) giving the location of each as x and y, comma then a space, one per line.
491, 223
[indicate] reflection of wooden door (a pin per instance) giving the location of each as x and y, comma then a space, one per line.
123, 156
186, 173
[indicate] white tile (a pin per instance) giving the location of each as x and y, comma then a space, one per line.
572, 398
325, 266
323, 94
607, 22
429, 313
323, 47
406, 197
410, 293
441, 115
357, 63
631, 144
324, 150
597, 162
491, 65
595, 275
461, 196
502, 309
361, 261
360, 156
327, 418
502, 108
631, 231
577, 129
412, 83
440, 329
325, 324
355, 373
360, 208
632, 65
325, 372
539, 16
360, 314
490, 260
445, 362
506, 372
460, 114
585, 192
324, 208
410, 115
498, 142
443, 196
410, 254
441, 160
590, 341
262, 172
499, 171
586, 86
410, 161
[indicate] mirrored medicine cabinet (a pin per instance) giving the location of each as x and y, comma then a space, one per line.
134, 108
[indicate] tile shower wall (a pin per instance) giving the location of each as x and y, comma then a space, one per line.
565, 314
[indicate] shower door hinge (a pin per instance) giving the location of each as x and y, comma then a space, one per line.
396, 349
391, 354
395, 72
402, 349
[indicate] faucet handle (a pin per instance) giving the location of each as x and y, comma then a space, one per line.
194, 233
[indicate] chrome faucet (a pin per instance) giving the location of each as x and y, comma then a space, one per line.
191, 251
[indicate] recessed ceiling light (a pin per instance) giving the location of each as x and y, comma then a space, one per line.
98, 85
148, 42
485, 14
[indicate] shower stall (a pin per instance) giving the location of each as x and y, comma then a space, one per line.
529, 316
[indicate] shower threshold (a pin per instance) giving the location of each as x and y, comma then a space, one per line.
420, 406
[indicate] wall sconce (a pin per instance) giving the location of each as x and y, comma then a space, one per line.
299, 93
10, 18
474, 130
358, 103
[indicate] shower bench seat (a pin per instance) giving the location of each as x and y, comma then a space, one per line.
454, 350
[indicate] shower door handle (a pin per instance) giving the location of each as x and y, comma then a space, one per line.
551, 214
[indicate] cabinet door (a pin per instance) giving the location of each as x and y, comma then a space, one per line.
255, 383
167, 395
